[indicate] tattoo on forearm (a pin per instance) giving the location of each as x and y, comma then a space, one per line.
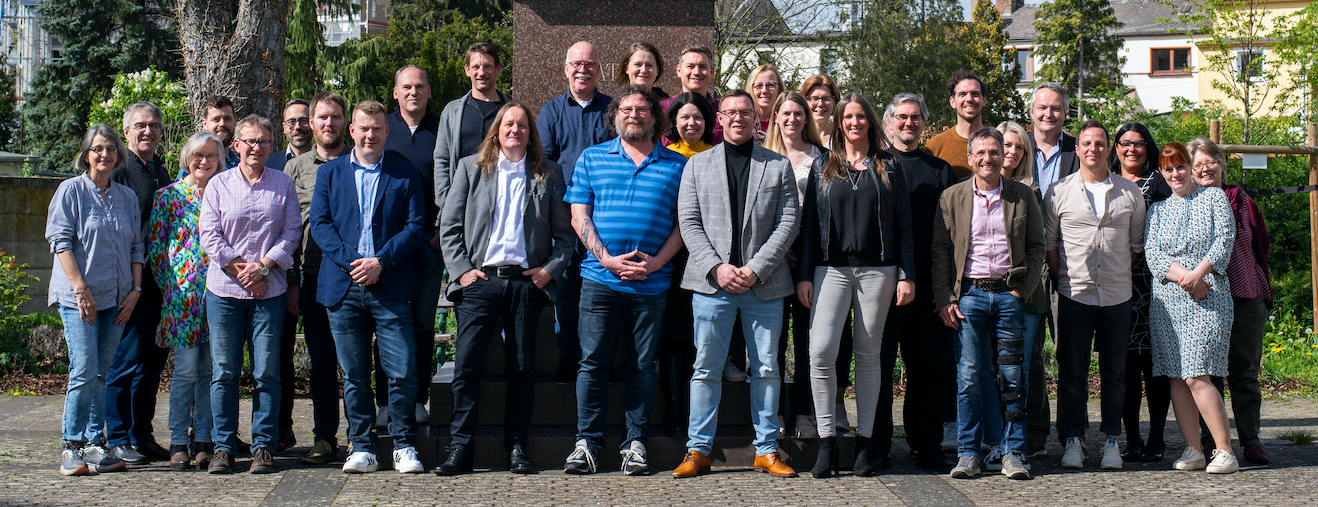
591, 238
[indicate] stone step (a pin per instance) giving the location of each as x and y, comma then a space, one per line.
556, 404
549, 446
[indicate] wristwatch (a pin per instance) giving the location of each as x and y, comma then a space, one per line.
139, 289
264, 270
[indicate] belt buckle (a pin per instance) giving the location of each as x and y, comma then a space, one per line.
505, 271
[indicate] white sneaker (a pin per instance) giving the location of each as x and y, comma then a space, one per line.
1014, 467
360, 462
1223, 463
993, 460
633, 460
731, 373
950, 442
1074, 456
967, 467
840, 419
1191, 459
1111, 456
405, 461
422, 415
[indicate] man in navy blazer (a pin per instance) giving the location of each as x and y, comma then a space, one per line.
370, 239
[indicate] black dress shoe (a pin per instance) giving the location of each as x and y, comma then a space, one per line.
517, 462
458, 462
128, 454
933, 460
1153, 452
1134, 448
287, 439
153, 451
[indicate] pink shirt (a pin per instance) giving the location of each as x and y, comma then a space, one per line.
987, 255
250, 221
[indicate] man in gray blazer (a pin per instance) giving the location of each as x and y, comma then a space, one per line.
737, 209
507, 236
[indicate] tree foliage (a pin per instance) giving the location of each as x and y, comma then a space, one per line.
101, 38
902, 46
1229, 31
1076, 47
10, 124
985, 37
157, 87
1297, 36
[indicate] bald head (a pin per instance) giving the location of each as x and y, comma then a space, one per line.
412, 90
582, 69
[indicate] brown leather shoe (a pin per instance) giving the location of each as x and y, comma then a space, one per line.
770, 463
694, 464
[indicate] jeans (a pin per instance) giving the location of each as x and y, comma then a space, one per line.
363, 311
91, 349
761, 321
428, 264
325, 397
1242, 367
485, 308
189, 394
1107, 329
838, 291
234, 322
608, 320
993, 433
990, 351
134, 378
567, 318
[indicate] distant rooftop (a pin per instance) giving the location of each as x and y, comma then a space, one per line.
1141, 17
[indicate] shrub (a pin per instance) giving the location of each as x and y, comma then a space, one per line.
14, 356
154, 86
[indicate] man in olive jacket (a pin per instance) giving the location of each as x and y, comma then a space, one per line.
987, 255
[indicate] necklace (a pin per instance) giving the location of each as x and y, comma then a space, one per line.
855, 181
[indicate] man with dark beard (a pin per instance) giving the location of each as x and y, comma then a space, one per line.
219, 120
297, 131
328, 124
624, 195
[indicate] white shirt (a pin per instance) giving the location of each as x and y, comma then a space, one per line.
1098, 195
507, 237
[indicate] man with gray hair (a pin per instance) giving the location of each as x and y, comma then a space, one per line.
925, 347
1054, 150
134, 378
988, 253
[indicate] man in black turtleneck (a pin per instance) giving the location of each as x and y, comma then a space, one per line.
738, 159
926, 346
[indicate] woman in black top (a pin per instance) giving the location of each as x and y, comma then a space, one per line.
1135, 157
857, 252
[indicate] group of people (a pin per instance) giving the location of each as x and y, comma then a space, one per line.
688, 232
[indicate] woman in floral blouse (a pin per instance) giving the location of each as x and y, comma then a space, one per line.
179, 265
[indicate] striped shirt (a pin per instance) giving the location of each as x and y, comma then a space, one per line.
251, 221
635, 208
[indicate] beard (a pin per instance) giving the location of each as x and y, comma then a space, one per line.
635, 131
329, 141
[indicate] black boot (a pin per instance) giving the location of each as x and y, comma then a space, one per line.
826, 462
862, 466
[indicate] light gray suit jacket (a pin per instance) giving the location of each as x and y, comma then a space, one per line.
447, 145
469, 214
769, 223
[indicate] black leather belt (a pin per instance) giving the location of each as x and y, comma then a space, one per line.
509, 272
987, 284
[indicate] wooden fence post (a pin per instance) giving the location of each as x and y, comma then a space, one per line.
1313, 221
1215, 131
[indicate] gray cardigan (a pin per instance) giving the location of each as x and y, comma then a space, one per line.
468, 215
447, 145
769, 222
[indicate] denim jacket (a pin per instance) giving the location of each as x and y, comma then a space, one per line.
894, 216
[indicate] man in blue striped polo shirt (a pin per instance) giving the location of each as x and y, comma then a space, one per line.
624, 209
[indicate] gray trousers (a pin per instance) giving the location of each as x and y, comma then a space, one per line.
839, 290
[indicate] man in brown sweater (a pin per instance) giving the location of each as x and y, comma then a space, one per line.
967, 101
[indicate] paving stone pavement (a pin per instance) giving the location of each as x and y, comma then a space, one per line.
29, 441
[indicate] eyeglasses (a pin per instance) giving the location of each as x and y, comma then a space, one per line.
737, 113
908, 117
584, 64
101, 150
294, 122
634, 111
206, 157
254, 143
155, 125
814, 100
1139, 145
1211, 164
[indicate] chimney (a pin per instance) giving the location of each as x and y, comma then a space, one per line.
1006, 7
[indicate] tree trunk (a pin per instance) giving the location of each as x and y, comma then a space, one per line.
234, 48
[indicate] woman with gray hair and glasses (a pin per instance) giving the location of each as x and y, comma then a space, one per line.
179, 266
94, 229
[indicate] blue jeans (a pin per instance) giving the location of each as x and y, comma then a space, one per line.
233, 323
91, 349
762, 322
134, 378
993, 418
609, 319
189, 394
363, 311
989, 352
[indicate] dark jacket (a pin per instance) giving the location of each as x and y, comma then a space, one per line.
894, 216
144, 179
396, 224
1067, 162
418, 148
1023, 225
470, 211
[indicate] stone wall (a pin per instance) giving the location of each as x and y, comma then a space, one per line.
23, 204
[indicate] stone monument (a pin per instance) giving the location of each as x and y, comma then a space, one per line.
544, 29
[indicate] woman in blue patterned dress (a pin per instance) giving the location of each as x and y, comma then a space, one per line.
1188, 244
179, 265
